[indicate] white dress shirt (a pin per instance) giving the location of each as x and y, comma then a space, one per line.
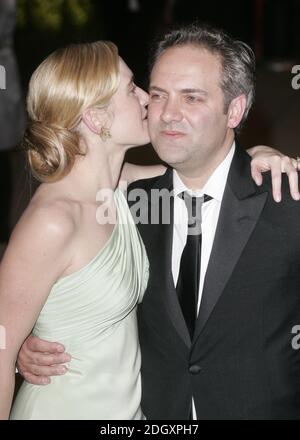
214, 187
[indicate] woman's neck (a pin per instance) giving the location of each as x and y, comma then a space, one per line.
91, 174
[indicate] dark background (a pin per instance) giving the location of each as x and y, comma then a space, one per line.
271, 27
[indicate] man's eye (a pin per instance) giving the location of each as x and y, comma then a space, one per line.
155, 96
192, 98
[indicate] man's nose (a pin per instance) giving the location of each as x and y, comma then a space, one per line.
171, 111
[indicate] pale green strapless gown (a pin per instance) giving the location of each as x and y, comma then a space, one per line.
93, 313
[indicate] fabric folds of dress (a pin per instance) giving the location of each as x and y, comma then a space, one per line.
93, 313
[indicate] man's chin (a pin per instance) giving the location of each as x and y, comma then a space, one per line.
170, 156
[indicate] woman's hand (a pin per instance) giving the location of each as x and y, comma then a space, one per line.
268, 159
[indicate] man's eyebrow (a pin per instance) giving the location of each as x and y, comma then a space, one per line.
158, 89
190, 90
186, 90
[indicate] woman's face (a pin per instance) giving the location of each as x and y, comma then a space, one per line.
129, 124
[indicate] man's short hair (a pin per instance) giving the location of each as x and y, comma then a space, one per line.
237, 59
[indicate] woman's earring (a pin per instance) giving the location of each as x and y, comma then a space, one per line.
104, 134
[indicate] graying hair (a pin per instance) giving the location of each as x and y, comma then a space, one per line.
237, 59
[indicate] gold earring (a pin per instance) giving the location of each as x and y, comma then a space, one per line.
104, 134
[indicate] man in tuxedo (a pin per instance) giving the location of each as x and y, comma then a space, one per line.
223, 350
223, 299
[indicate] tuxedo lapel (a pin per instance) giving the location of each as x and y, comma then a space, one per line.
159, 239
241, 207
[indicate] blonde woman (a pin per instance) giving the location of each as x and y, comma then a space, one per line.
66, 276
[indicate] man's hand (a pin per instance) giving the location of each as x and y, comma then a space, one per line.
38, 360
268, 159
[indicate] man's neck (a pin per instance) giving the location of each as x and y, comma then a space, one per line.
196, 178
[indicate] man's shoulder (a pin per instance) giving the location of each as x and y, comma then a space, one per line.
287, 204
240, 174
152, 182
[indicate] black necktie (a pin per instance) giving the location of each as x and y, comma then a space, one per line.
189, 272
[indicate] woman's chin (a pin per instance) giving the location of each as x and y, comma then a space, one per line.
143, 142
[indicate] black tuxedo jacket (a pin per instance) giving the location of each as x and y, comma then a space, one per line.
241, 363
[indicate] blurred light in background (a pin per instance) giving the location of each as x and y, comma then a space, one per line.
50, 15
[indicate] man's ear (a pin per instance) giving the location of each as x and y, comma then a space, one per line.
93, 119
236, 111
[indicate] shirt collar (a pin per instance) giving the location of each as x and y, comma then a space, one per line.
215, 185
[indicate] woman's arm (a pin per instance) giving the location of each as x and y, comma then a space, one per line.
263, 159
131, 173
37, 255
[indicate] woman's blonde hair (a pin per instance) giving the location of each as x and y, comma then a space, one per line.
68, 82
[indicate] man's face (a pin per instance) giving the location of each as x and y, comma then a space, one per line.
187, 124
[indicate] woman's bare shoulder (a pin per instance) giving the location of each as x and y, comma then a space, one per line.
48, 221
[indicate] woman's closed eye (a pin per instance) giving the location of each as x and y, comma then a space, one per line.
133, 88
